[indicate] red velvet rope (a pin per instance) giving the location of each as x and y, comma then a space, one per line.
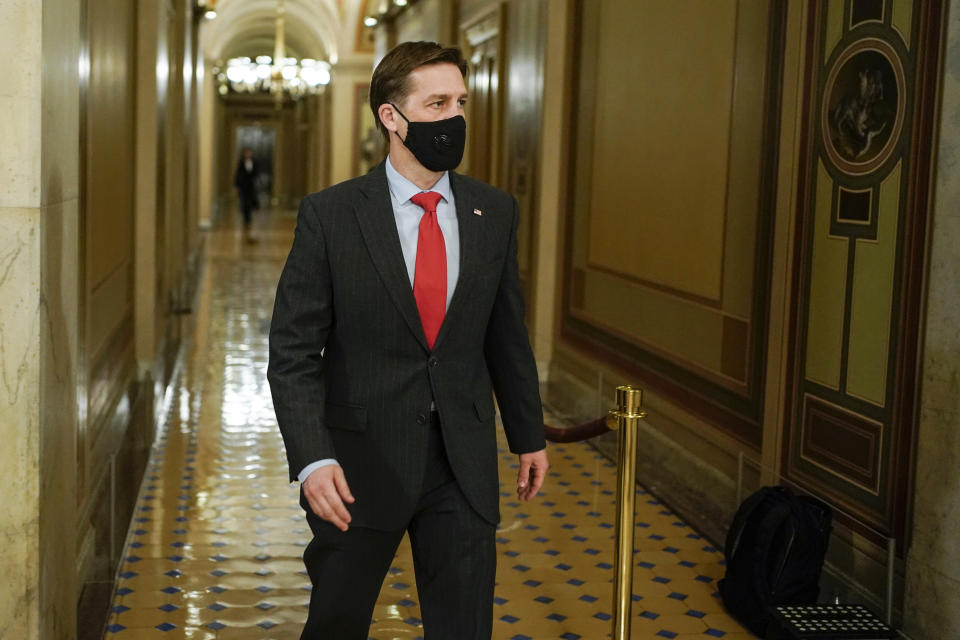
580, 432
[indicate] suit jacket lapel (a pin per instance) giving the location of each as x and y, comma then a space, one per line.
472, 242
379, 229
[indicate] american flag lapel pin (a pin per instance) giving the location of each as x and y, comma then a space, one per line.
477, 212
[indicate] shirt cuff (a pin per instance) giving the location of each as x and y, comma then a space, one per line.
313, 466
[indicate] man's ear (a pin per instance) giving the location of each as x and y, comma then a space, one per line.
388, 116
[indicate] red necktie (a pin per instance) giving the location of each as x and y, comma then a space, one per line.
430, 273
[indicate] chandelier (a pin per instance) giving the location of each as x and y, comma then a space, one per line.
280, 75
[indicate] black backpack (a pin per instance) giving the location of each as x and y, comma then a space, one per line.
774, 553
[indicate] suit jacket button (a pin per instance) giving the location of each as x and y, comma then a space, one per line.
421, 419
434, 362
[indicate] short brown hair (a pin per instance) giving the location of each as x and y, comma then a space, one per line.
391, 78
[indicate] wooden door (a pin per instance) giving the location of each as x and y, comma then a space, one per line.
482, 47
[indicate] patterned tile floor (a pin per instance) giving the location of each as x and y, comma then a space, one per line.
214, 548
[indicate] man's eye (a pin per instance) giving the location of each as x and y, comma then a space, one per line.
462, 101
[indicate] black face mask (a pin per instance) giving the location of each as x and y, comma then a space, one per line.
437, 145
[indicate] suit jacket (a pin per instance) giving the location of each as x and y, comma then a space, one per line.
350, 372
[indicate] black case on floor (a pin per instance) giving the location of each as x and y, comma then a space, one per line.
826, 622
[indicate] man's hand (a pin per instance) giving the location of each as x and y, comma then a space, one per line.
533, 471
326, 490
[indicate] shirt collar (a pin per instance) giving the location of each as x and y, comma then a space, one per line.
402, 189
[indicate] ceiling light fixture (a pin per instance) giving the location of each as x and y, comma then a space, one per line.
280, 75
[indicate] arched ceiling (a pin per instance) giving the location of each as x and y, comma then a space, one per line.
321, 29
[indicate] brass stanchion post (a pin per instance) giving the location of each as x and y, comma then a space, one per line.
627, 416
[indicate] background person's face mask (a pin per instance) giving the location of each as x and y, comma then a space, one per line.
437, 145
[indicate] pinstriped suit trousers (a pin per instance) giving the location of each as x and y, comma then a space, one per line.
454, 559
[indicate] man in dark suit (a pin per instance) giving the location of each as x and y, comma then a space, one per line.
398, 311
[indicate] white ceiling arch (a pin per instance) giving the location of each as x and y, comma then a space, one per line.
250, 39
313, 28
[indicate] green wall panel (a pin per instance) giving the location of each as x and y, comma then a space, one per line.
827, 291
872, 300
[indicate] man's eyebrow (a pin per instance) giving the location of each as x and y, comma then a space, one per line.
442, 96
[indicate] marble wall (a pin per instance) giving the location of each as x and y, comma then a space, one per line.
38, 269
19, 390
20, 23
20, 89
933, 561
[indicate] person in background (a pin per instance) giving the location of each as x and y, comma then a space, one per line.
245, 180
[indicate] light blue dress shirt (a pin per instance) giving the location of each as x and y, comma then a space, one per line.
407, 216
